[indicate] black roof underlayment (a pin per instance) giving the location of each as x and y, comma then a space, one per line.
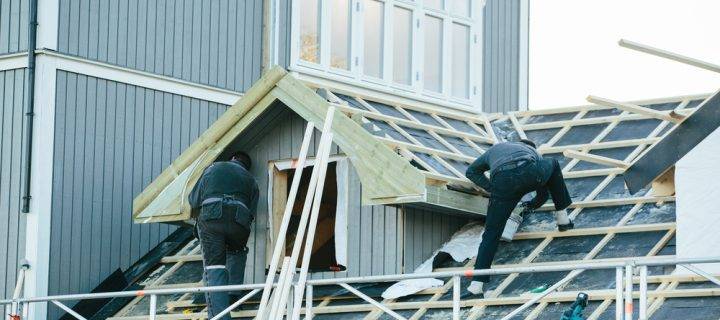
640, 230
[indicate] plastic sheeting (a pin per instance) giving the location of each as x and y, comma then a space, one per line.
698, 215
462, 245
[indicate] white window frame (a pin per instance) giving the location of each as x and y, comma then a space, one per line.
355, 75
342, 171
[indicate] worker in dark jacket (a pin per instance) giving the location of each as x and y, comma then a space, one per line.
225, 201
516, 168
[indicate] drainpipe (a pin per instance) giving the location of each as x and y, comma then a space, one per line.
29, 111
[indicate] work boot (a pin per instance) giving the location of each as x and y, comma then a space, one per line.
474, 290
216, 301
563, 221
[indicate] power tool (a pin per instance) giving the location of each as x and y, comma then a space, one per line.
576, 309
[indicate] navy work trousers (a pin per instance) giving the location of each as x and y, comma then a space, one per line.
507, 188
223, 242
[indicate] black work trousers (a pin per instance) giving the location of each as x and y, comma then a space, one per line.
223, 242
507, 188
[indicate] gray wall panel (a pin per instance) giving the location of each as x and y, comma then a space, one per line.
12, 222
425, 231
13, 25
111, 140
217, 43
502, 90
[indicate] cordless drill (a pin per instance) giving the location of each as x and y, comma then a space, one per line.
576, 309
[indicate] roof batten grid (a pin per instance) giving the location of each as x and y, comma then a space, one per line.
454, 153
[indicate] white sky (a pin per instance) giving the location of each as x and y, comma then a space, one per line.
574, 51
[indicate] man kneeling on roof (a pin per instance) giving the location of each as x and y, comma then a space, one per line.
516, 168
226, 196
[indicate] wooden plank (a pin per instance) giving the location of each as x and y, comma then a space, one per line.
669, 55
595, 159
632, 108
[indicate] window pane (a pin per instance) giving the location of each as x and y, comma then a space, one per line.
310, 30
340, 34
373, 38
434, 4
460, 61
460, 7
402, 45
433, 54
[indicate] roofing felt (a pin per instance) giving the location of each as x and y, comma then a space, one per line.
611, 225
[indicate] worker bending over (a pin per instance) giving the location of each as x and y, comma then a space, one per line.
516, 168
226, 197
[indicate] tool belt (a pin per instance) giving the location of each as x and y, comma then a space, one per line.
213, 208
521, 162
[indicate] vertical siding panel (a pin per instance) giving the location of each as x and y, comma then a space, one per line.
14, 44
501, 54
354, 234
378, 239
74, 27
159, 32
57, 203
141, 50
131, 50
92, 164
390, 232
229, 53
6, 96
93, 23
63, 24
169, 38
187, 40
205, 24
5, 26
222, 44
113, 30
103, 30
178, 46
197, 20
122, 32
112, 223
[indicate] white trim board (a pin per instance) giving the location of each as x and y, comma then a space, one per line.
140, 78
37, 235
13, 61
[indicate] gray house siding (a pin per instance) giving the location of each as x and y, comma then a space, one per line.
111, 140
503, 87
425, 232
217, 43
12, 222
13, 25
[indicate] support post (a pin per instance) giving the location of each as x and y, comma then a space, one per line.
628, 292
619, 303
456, 298
308, 302
153, 306
643, 293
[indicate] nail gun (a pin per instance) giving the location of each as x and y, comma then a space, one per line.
576, 309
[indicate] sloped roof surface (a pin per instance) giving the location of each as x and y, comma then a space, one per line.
611, 225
